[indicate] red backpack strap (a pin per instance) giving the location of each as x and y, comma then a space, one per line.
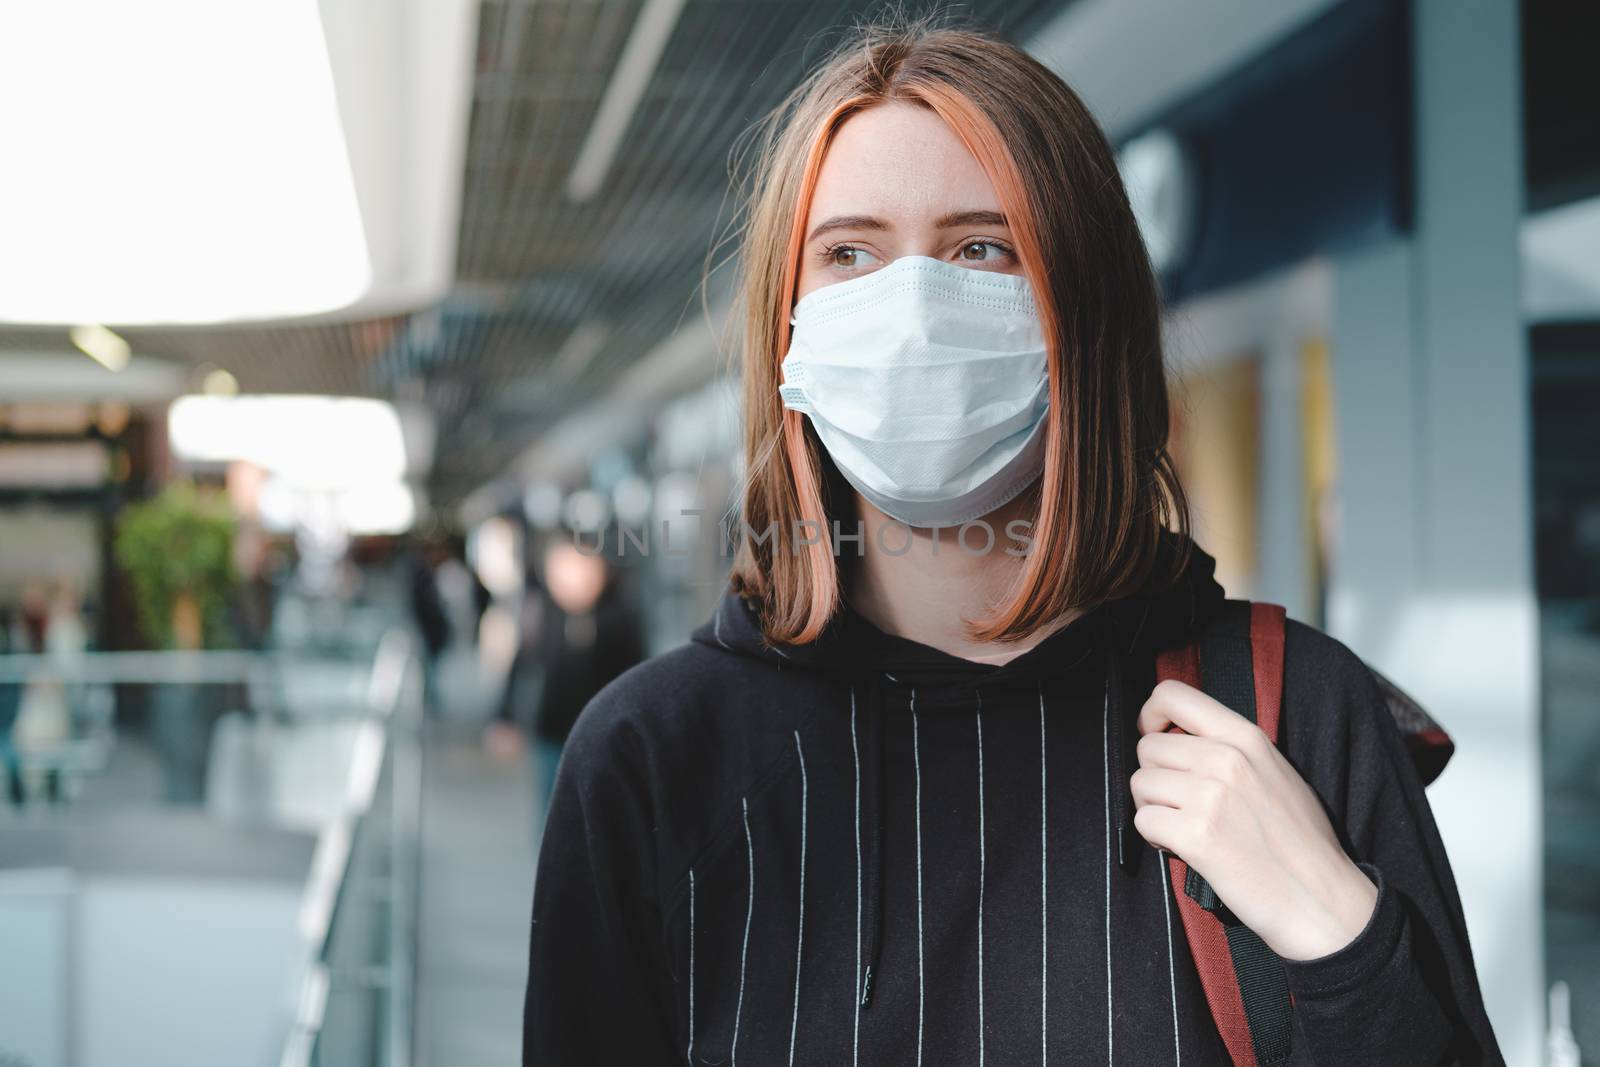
1238, 660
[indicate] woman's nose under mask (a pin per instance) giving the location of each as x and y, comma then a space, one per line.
927, 384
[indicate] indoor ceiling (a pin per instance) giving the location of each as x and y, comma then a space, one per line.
555, 295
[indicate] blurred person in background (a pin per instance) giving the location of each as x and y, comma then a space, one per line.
582, 632
10, 703
56, 628
504, 736
430, 615
461, 591
66, 632
448, 601
254, 597
34, 615
876, 811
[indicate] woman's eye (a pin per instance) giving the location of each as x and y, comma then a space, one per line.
848, 257
983, 252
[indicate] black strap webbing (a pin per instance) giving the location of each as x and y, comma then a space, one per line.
1227, 675
1264, 991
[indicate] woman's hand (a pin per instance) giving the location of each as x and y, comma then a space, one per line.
1222, 797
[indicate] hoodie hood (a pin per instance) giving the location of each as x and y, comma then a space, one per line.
867, 661
852, 647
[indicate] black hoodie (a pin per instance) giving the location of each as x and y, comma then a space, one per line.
867, 851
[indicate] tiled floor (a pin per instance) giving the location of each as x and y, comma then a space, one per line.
477, 884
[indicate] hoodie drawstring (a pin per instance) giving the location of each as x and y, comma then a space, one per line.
1124, 737
873, 801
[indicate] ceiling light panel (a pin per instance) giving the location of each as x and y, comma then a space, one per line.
174, 161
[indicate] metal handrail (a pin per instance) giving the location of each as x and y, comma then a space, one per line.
390, 684
150, 668
264, 672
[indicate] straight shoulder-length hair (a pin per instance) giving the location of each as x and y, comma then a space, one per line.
1109, 487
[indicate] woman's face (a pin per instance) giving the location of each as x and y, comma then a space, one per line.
898, 182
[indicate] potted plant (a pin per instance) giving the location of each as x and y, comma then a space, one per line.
177, 551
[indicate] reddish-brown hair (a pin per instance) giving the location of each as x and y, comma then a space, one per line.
1109, 487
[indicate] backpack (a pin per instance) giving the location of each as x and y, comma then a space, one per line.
1238, 660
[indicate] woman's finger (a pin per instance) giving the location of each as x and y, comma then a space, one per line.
1167, 787
1172, 703
1160, 825
1175, 703
1177, 750
1202, 758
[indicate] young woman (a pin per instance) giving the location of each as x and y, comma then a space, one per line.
865, 816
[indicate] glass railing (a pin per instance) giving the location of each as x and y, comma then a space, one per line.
357, 1004
210, 857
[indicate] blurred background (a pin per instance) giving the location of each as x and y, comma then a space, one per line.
345, 344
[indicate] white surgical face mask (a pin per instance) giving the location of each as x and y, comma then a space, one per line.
927, 384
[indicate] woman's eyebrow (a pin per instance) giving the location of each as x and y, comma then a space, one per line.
971, 217
848, 222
